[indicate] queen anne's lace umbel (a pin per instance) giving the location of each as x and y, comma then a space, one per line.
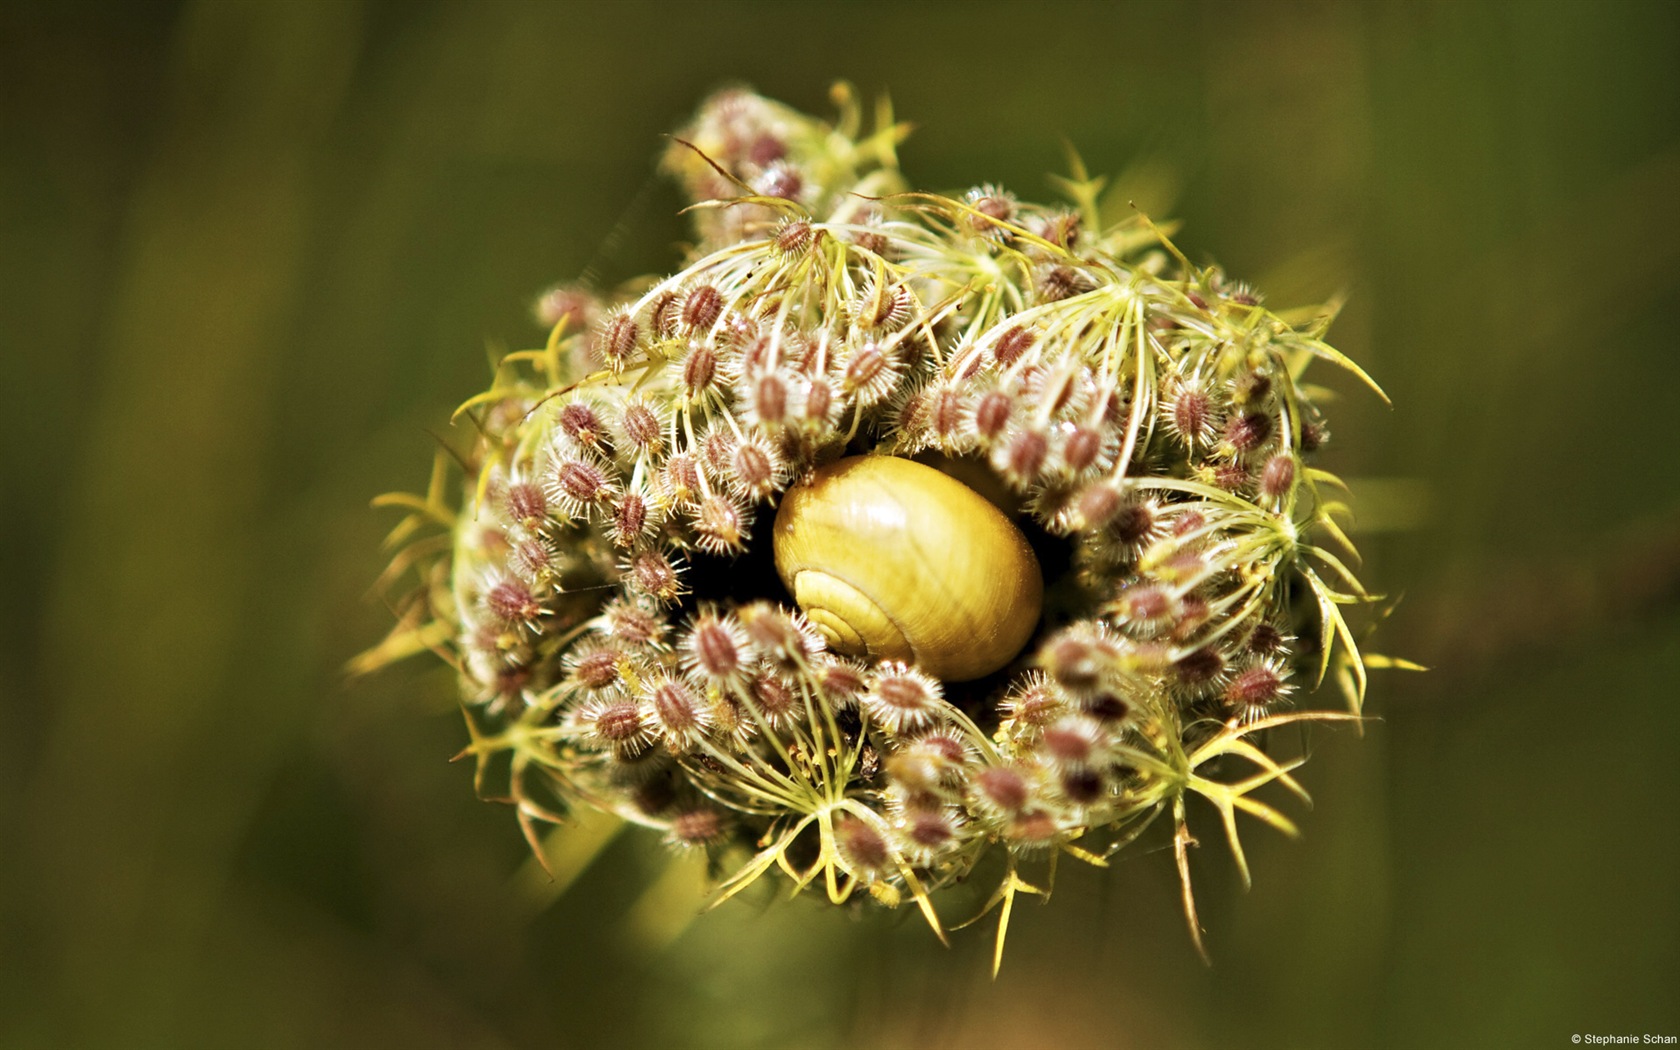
1144, 417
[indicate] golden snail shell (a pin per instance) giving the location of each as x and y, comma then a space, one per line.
895, 560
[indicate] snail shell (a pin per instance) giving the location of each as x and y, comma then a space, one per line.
892, 559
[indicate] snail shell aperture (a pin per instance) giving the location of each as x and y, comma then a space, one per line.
895, 560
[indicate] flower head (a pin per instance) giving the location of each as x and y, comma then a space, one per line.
610, 589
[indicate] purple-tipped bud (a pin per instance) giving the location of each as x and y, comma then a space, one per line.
512, 602
793, 237
780, 179
776, 700
992, 207
677, 712
619, 724
642, 429
930, 831
680, 479
1146, 608
946, 748
580, 422
598, 668
1003, 788
651, 573
820, 402
633, 624
1076, 662
1021, 456
766, 149
1193, 610
1033, 704
1074, 742
715, 648
1012, 344
664, 314
773, 632
888, 308
1267, 639
1256, 686
701, 308
629, 519
1249, 431
717, 448
1232, 476
578, 484
565, 303
755, 469
1278, 478
992, 414
769, 401
1061, 229
861, 846
1033, 829
1097, 504
1200, 667
1082, 786
532, 557
526, 504
871, 372
873, 241
942, 410
1081, 448
840, 681
1251, 387
1056, 283
1135, 524
699, 370
616, 340
1190, 413
1106, 708
903, 698
698, 827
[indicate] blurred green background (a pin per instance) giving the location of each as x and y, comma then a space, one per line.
251, 252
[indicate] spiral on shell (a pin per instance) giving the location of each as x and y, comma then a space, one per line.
895, 560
